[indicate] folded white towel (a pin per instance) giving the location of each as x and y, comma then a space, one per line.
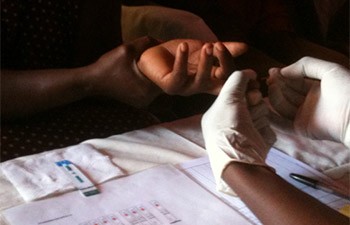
40, 177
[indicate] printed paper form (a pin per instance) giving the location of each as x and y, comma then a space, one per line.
158, 196
200, 171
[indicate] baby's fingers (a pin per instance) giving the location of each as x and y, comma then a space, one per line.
205, 64
176, 80
225, 60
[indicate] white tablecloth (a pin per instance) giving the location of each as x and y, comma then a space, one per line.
182, 140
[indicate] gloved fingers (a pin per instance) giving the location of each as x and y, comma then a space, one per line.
259, 114
309, 67
293, 97
261, 122
281, 123
279, 101
235, 87
226, 64
268, 135
258, 110
284, 94
296, 82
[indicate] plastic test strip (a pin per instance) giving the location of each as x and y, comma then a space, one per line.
80, 181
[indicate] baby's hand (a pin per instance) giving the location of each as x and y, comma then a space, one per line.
186, 67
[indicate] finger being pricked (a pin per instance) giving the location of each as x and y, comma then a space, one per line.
259, 114
279, 102
293, 89
293, 79
225, 62
253, 96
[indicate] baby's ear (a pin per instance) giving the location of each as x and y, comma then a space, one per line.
236, 48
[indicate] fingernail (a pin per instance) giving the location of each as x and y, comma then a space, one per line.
209, 49
254, 97
183, 47
274, 70
219, 46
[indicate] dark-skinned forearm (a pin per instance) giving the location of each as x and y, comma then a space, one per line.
28, 92
274, 201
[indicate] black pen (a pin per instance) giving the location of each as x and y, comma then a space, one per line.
320, 185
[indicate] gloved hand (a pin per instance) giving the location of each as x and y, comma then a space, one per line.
236, 127
314, 95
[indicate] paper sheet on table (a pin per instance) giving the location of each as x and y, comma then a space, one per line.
160, 195
200, 171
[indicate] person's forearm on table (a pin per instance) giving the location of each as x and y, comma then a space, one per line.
274, 201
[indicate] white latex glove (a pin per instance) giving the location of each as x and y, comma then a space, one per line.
314, 95
236, 130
